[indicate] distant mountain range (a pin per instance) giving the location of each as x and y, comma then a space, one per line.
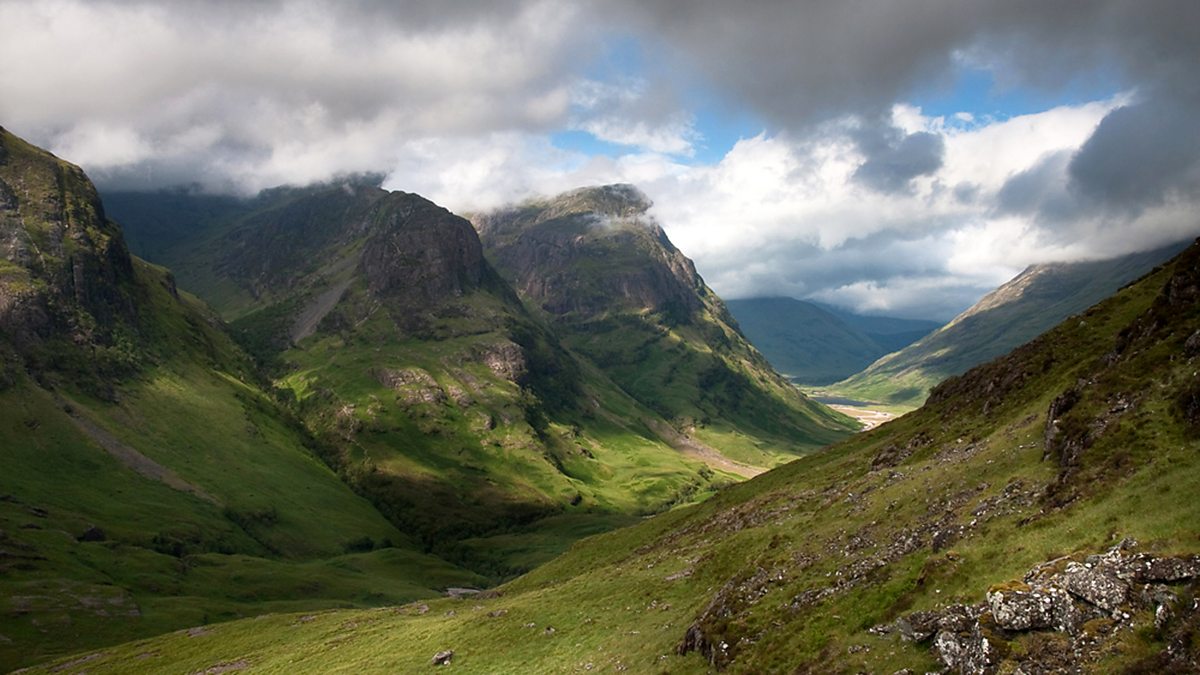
1016, 312
816, 344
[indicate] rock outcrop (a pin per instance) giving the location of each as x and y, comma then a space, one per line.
64, 267
1087, 602
419, 252
590, 252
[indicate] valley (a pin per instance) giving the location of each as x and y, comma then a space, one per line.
633, 336
382, 418
389, 438
1048, 458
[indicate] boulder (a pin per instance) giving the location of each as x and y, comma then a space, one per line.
918, 626
1096, 585
1018, 609
442, 658
1146, 569
968, 652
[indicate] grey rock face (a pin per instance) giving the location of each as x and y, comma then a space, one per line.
1024, 610
1096, 585
1063, 596
420, 253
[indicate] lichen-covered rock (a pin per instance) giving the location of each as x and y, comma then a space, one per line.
1096, 585
1015, 609
1144, 568
968, 652
959, 618
1064, 614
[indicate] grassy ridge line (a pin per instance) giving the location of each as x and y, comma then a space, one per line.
1022, 308
790, 569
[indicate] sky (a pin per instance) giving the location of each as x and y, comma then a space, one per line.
900, 157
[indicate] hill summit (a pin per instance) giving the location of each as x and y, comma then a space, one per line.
602, 270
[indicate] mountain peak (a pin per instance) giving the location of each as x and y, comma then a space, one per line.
590, 251
618, 200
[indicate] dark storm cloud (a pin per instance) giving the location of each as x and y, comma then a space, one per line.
803, 62
1141, 155
895, 158
1039, 190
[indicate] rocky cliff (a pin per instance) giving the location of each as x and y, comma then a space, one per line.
592, 252
64, 267
619, 292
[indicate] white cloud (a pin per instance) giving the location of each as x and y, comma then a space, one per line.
279, 88
779, 215
458, 101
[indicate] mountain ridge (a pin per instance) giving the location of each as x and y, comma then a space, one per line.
1015, 312
609, 280
816, 344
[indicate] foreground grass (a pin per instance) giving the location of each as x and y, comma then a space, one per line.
789, 570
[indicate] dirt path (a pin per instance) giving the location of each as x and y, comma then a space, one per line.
705, 453
132, 458
869, 418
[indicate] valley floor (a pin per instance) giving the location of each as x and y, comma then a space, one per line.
869, 418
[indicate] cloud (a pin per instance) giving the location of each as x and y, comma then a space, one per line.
1140, 155
895, 158
251, 94
850, 193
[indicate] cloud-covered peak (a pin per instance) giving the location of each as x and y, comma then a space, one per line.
784, 144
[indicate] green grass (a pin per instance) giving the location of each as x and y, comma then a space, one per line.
624, 599
271, 536
1018, 311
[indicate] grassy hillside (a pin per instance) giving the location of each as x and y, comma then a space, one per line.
612, 285
816, 345
1063, 448
149, 482
1021, 309
433, 391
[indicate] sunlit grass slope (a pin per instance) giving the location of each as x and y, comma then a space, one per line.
787, 571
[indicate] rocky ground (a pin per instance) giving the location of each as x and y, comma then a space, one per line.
1068, 613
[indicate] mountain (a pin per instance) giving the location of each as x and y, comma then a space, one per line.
459, 414
1033, 516
818, 344
889, 332
614, 287
1014, 313
149, 481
